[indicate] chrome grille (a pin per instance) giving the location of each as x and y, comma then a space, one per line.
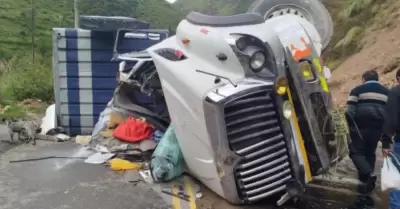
254, 132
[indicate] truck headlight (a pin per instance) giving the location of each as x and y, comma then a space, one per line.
241, 43
281, 86
257, 61
287, 109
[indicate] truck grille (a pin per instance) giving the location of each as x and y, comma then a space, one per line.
254, 132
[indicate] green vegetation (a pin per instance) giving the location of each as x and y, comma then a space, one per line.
353, 19
24, 76
21, 75
158, 13
26, 80
25, 52
222, 7
14, 111
26, 46
16, 25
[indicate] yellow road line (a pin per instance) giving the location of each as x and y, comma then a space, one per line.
189, 191
300, 139
176, 202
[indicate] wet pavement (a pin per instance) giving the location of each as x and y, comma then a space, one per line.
70, 183
67, 183
4, 146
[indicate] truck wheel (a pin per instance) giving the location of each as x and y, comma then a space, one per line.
312, 10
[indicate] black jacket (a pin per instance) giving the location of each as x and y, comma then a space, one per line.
366, 107
391, 127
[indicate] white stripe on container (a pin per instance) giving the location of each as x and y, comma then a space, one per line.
85, 81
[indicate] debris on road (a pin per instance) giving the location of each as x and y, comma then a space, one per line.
179, 194
46, 158
99, 158
146, 176
167, 162
118, 164
62, 137
133, 130
49, 120
83, 140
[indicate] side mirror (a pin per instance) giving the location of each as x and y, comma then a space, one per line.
327, 73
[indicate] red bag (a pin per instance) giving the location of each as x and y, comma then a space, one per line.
133, 130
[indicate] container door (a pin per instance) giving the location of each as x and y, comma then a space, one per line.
85, 75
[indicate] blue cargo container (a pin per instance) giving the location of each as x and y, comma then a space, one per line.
85, 75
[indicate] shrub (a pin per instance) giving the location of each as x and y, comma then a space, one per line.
351, 42
353, 19
13, 111
23, 80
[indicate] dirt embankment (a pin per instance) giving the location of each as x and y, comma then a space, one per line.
381, 49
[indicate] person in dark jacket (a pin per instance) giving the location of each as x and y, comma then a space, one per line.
392, 130
366, 116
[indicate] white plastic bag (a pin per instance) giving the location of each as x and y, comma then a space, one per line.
390, 178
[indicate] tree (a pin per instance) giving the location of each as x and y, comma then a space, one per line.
27, 20
108, 7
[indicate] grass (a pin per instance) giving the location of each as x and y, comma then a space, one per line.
16, 23
20, 77
14, 111
341, 131
353, 20
355, 7
350, 43
22, 111
22, 80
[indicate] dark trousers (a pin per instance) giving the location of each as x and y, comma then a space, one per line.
362, 151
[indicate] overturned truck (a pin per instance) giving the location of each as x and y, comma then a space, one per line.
248, 98
246, 95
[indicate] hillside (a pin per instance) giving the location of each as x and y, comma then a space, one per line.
16, 19
354, 19
364, 36
222, 7
21, 76
370, 42
16, 24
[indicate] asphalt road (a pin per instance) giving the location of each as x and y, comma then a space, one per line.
64, 183
4, 146
70, 183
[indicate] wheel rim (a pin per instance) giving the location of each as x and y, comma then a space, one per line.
280, 10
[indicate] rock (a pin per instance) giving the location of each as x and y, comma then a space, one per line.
393, 65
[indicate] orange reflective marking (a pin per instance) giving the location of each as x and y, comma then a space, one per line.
300, 53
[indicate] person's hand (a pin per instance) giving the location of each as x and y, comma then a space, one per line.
385, 152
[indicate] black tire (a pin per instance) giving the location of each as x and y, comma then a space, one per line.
313, 10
